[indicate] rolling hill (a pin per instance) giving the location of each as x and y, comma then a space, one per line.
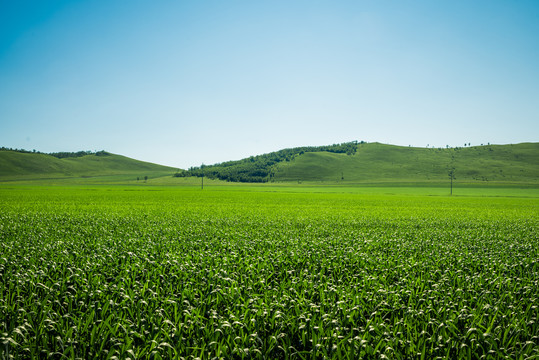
380, 162
16, 165
375, 162
347, 163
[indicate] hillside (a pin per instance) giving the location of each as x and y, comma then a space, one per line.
15, 165
380, 162
339, 163
355, 162
260, 168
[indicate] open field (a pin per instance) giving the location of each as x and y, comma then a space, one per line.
162, 181
300, 272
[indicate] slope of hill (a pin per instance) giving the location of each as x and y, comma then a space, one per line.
15, 165
340, 163
355, 162
259, 168
380, 162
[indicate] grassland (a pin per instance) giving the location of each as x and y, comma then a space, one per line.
376, 162
17, 167
371, 164
140, 272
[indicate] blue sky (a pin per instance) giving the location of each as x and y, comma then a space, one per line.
182, 83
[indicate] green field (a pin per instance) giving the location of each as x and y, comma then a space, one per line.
518, 163
268, 272
515, 165
37, 167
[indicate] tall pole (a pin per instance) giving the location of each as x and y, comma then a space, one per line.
451, 175
202, 187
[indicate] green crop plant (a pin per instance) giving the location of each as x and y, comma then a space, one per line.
161, 273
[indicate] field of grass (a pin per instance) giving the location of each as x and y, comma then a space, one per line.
382, 162
268, 272
372, 164
17, 166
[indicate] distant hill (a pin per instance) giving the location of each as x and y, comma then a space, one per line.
380, 162
375, 162
351, 163
17, 165
260, 168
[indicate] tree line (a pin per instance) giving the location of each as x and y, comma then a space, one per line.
59, 155
260, 168
62, 155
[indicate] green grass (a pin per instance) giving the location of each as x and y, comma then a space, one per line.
296, 272
16, 166
376, 162
373, 164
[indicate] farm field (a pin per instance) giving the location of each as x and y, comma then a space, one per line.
268, 272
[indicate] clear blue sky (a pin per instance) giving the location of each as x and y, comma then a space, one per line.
182, 83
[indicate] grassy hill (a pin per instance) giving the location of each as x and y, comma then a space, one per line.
375, 162
348, 163
15, 165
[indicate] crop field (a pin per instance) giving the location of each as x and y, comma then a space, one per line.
133, 272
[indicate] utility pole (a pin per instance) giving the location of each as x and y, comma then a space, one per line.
202, 177
451, 175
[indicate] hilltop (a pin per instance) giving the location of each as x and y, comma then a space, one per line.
374, 162
24, 165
